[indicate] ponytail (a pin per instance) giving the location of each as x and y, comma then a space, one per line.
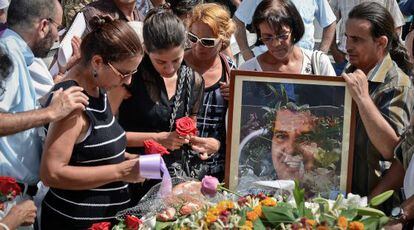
399, 54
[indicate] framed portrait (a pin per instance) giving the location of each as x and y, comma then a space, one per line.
285, 127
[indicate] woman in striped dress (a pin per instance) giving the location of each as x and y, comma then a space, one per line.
84, 161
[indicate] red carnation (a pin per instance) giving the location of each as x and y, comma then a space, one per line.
9, 187
101, 226
153, 147
132, 222
186, 126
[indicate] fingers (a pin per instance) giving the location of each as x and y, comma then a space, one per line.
224, 90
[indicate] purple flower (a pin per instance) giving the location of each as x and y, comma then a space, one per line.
209, 186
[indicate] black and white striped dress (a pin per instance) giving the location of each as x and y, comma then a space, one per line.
104, 144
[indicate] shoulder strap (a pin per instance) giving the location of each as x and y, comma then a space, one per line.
315, 61
227, 66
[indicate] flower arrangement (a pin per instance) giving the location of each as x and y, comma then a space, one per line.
223, 209
9, 189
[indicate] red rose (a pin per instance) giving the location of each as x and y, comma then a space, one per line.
132, 222
186, 126
101, 226
153, 147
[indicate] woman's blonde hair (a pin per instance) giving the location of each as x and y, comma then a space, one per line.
218, 18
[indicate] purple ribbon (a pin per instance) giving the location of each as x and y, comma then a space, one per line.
151, 166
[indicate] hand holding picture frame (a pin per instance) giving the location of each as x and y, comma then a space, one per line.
290, 126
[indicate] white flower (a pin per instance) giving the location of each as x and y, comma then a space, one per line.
355, 201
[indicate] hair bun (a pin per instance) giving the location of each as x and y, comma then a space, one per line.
97, 22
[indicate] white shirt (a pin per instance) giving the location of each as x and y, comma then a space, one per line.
42, 79
343, 7
409, 180
325, 65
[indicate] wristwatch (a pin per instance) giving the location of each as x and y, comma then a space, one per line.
398, 213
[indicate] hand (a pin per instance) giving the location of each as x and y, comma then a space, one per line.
408, 207
357, 83
64, 102
172, 141
129, 156
206, 146
225, 90
76, 55
130, 171
22, 214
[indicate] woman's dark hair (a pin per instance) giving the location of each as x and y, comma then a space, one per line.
163, 30
279, 13
113, 40
182, 7
6, 65
382, 24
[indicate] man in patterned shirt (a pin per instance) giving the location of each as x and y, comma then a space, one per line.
378, 82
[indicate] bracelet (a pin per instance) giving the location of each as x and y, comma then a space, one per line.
4, 226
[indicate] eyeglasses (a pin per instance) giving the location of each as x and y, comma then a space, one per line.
206, 42
59, 27
281, 37
121, 75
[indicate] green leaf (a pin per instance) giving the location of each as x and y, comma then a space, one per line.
299, 195
159, 225
370, 223
367, 211
379, 199
276, 215
349, 214
258, 224
383, 221
243, 217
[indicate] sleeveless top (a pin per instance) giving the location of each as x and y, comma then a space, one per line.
104, 145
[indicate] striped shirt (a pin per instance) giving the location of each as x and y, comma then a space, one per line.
104, 144
392, 92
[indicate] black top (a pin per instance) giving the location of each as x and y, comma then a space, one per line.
104, 144
149, 109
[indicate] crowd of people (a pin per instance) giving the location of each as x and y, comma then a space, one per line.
72, 138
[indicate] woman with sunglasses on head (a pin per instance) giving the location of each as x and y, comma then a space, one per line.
84, 160
163, 90
209, 32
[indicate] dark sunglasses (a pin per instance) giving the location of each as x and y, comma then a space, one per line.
206, 42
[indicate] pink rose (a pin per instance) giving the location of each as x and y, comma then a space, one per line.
153, 147
186, 126
209, 186
166, 215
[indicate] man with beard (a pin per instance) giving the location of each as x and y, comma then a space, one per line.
31, 33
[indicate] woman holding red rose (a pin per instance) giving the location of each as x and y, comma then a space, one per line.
163, 90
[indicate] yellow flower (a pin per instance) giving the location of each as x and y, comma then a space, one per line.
310, 222
225, 205
211, 218
248, 225
268, 202
252, 215
258, 210
342, 222
356, 225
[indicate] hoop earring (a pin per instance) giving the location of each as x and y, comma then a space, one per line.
94, 73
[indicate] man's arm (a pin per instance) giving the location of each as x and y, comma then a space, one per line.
236, 3
241, 38
328, 35
63, 103
379, 131
393, 179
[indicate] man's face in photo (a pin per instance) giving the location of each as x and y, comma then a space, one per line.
292, 154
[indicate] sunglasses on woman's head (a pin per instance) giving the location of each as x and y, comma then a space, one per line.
206, 42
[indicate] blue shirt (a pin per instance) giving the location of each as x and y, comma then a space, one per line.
20, 153
308, 9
